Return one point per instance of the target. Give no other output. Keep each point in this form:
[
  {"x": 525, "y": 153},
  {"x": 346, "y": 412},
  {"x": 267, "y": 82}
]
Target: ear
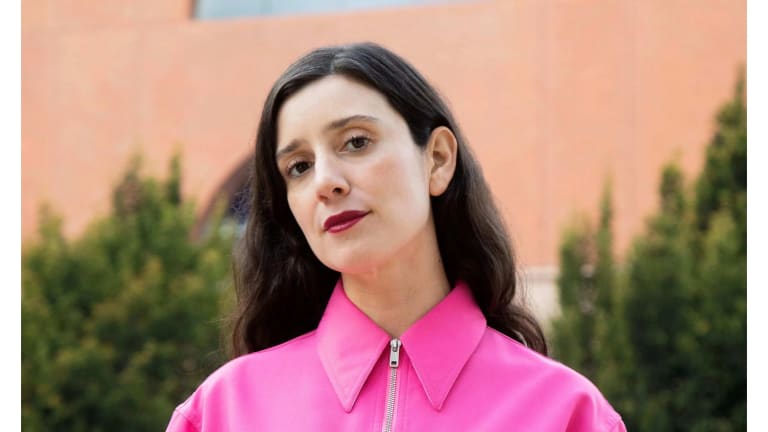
[{"x": 441, "y": 152}]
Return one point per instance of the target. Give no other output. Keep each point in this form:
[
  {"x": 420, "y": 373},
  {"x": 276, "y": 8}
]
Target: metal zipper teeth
[{"x": 394, "y": 362}]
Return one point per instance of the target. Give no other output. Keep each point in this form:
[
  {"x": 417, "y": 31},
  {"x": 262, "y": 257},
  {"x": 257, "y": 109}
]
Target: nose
[{"x": 330, "y": 179}]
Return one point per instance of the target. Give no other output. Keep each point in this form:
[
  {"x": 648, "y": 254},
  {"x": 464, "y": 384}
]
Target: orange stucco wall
[{"x": 554, "y": 95}]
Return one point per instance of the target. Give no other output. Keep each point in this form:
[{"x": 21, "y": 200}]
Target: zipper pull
[{"x": 394, "y": 353}]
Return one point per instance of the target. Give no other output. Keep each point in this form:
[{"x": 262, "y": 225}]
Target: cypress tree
[
  {"x": 669, "y": 326},
  {"x": 120, "y": 325}
]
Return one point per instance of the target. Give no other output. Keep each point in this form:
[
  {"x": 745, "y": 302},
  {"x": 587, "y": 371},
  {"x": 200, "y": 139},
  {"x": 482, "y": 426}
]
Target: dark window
[{"x": 220, "y": 9}]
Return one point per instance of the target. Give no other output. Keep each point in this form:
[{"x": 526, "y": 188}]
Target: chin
[
  {"x": 350, "y": 266},
  {"x": 352, "y": 263}
]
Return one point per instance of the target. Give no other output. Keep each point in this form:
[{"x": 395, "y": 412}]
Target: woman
[{"x": 375, "y": 279}]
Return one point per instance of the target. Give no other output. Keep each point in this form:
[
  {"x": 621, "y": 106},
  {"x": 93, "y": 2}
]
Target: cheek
[
  {"x": 299, "y": 211},
  {"x": 400, "y": 179}
]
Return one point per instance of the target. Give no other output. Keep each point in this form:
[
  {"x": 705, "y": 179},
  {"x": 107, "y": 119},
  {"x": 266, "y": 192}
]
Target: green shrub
[
  {"x": 664, "y": 334},
  {"x": 120, "y": 325}
]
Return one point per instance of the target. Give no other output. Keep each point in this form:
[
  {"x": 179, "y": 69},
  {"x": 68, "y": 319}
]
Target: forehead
[{"x": 330, "y": 98}]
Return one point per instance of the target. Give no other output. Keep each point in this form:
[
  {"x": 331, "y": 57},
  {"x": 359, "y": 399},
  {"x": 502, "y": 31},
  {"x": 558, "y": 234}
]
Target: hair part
[{"x": 282, "y": 288}]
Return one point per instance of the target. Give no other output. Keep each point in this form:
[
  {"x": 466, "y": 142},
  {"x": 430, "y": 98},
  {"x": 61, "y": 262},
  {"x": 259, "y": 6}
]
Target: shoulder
[
  {"x": 549, "y": 382},
  {"x": 513, "y": 355},
  {"x": 262, "y": 362},
  {"x": 233, "y": 382}
]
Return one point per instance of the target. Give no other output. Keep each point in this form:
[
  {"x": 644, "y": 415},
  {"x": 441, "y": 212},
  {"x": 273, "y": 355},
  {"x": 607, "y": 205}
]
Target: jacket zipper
[{"x": 394, "y": 362}]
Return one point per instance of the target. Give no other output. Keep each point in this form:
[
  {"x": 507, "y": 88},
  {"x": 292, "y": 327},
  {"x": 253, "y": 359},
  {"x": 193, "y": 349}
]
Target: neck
[{"x": 396, "y": 294}]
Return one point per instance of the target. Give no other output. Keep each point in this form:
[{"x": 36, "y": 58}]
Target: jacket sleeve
[
  {"x": 619, "y": 427},
  {"x": 180, "y": 423},
  {"x": 591, "y": 412}
]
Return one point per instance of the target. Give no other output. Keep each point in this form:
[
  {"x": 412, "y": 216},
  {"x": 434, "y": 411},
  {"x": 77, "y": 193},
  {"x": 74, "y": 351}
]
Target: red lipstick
[{"x": 344, "y": 220}]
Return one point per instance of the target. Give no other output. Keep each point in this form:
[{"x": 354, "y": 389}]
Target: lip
[{"x": 344, "y": 220}]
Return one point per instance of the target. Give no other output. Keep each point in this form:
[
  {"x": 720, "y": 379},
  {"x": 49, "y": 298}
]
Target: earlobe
[{"x": 442, "y": 149}]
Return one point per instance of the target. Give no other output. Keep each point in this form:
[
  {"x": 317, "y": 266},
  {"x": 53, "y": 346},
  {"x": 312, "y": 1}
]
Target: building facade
[{"x": 556, "y": 97}]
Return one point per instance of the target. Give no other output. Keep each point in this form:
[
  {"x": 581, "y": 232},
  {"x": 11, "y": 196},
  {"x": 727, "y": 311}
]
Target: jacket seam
[
  {"x": 188, "y": 420},
  {"x": 616, "y": 422}
]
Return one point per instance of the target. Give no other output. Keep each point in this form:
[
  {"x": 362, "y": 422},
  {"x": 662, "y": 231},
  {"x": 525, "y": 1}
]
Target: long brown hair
[{"x": 282, "y": 288}]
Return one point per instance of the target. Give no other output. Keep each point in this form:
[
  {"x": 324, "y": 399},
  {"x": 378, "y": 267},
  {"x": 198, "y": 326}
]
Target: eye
[
  {"x": 357, "y": 143},
  {"x": 297, "y": 168}
]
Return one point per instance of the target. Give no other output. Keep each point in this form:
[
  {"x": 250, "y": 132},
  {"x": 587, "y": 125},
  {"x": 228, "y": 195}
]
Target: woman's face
[{"x": 357, "y": 184}]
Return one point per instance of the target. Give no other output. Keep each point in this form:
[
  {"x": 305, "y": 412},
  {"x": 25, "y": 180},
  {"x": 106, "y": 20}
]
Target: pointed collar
[{"x": 438, "y": 344}]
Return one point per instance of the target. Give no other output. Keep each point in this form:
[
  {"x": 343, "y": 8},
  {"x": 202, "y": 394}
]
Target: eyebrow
[{"x": 336, "y": 124}]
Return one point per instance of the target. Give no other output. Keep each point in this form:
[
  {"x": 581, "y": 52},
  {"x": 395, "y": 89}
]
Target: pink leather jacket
[{"x": 448, "y": 372}]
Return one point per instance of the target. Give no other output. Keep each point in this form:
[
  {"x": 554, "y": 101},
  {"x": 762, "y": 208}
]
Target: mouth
[{"x": 343, "y": 221}]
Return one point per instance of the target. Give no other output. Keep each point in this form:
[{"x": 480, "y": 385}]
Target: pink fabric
[{"x": 455, "y": 374}]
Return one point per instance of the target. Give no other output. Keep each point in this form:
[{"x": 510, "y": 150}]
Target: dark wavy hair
[{"x": 282, "y": 288}]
